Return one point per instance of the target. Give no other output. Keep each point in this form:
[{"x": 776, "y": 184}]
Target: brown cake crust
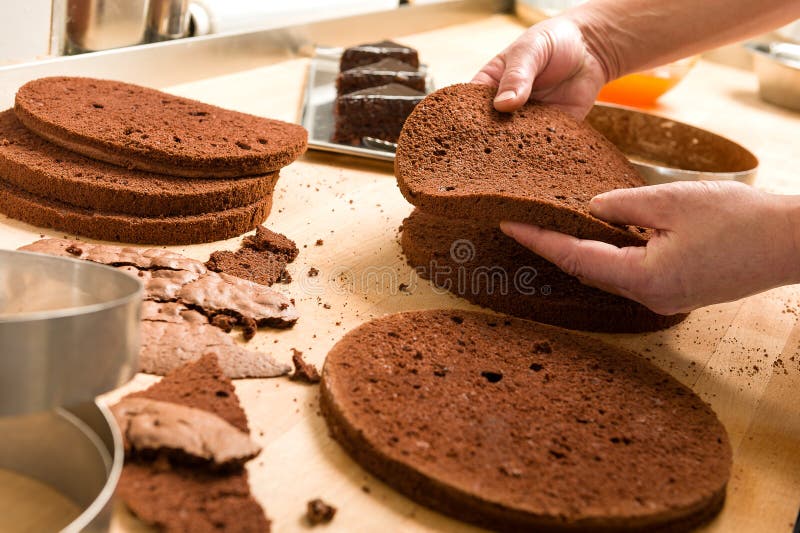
[
  {"x": 176, "y": 498},
  {"x": 484, "y": 266},
  {"x": 47, "y": 170},
  {"x": 518, "y": 426},
  {"x": 21, "y": 205},
  {"x": 137, "y": 127},
  {"x": 458, "y": 157}
]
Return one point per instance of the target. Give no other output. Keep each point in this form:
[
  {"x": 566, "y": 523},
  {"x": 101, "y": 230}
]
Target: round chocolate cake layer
[
  {"x": 50, "y": 171},
  {"x": 518, "y": 426},
  {"x": 458, "y": 157},
  {"x": 22, "y": 205},
  {"x": 482, "y": 265},
  {"x": 137, "y": 127}
]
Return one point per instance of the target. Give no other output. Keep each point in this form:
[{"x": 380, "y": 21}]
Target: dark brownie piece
[
  {"x": 518, "y": 426},
  {"x": 375, "y": 112},
  {"x": 460, "y": 158},
  {"x": 385, "y": 71},
  {"x": 364, "y": 54},
  {"x": 481, "y": 264}
]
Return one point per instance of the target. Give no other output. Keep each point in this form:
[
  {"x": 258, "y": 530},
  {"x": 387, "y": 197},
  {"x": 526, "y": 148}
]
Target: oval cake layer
[
  {"x": 50, "y": 171},
  {"x": 22, "y": 205},
  {"x": 519, "y": 426},
  {"x": 481, "y": 264},
  {"x": 458, "y": 157},
  {"x": 137, "y": 127}
]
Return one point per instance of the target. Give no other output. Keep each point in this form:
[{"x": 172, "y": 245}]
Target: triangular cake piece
[{"x": 178, "y": 498}]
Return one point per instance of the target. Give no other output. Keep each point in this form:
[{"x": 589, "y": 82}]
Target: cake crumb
[
  {"x": 303, "y": 371},
  {"x": 319, "y": 242},
  {"x": 74, "y": 250},
  {"x": 319, "y": 512},
  {"x": 313, "y": 272},
  {"x": 223, "y": 322},
  {"x": 249, "y": 327}
]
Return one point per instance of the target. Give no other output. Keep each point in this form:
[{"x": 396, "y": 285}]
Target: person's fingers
[
  {"x": 652, "y": 206},
  {"x": 520, "y": 67},
  {"x": 594, "y": 263},
  {"x": 491, "y": 73}
]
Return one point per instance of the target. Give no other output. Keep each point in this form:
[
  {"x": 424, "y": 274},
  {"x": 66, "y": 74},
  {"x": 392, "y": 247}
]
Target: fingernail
[{"x": 505, "y": 95}]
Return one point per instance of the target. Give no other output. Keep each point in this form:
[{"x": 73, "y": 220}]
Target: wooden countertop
[{"x": 742, "y": 357}]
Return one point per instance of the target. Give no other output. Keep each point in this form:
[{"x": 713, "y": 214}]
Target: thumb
[{"x": 649, "y": 206}]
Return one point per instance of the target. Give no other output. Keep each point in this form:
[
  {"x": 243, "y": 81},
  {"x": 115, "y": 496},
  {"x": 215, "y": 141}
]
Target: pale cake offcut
[
  {"x": 460, "y": 158},
  {"x": 518, "y": 426}
]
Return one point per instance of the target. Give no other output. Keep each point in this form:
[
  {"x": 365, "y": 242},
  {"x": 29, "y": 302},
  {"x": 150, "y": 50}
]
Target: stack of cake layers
[
  {"x": 119, "y": 162},
  {"x": 378, "y": 86},
  {"x": 467, "y": 167}
]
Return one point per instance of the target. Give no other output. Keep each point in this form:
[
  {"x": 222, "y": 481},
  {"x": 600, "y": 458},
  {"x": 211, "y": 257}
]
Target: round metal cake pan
[
  {"x": 665, "y": 150},
  {"x": 69, "y": 331},
  {"x": 76, "y": 452}
]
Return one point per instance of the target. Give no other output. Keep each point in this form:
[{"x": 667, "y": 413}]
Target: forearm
[
  {"x": 631, "y": 35},
  {"x": 789, "y": 211}
]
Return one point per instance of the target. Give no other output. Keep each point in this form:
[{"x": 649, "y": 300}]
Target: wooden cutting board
[{"x": 742, "y": 357}]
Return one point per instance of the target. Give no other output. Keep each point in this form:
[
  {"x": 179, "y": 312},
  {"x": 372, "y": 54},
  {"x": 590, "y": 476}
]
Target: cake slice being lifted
[{"x": 458, "y": 157}]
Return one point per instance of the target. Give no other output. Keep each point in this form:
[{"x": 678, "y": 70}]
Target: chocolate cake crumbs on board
[
  {"x": 319, "y": 512},
  {"x": 303, "y": 371}
]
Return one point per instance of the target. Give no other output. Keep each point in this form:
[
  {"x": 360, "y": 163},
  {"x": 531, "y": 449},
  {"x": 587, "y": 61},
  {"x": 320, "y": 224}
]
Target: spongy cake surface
[
  {"x": 481, "y": 264},
  {"x": 516, "y": 425},
  {"x": 459, "y": 157},
  {"x": 143, "y": 128},
  {"x": 48, "y": 170}
]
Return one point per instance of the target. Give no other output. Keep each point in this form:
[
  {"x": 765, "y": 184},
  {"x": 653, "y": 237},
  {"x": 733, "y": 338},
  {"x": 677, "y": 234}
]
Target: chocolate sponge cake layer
[
  {"x": 22, "y": 205},
  {"x": 519, "y": 426},
  {"x": 484, "y": 266},
  {"x": 458, "y": 157},
  {"x": 137, "y": 127},
  {"x": 50, "y": 171}
]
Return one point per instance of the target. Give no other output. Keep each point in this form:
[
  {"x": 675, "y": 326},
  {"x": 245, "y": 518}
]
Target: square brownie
[
  {"x": 364, "y": 54},
  {"x": 375, "y": 112},
  {"x": 384, "y": 72}
]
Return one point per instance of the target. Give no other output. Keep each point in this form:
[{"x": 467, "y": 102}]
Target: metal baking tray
[
  {"x": 318, "y": 104},
  {"x": 665, "y": 150}
]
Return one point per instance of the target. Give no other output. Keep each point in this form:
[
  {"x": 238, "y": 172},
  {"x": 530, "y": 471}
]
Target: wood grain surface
[{"x": 742, "y": 357}]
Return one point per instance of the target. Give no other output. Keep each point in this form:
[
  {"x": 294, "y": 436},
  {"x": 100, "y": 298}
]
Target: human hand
[
  {"x": 551, "y": 63},
  {"x": 714, "y": 241}
]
